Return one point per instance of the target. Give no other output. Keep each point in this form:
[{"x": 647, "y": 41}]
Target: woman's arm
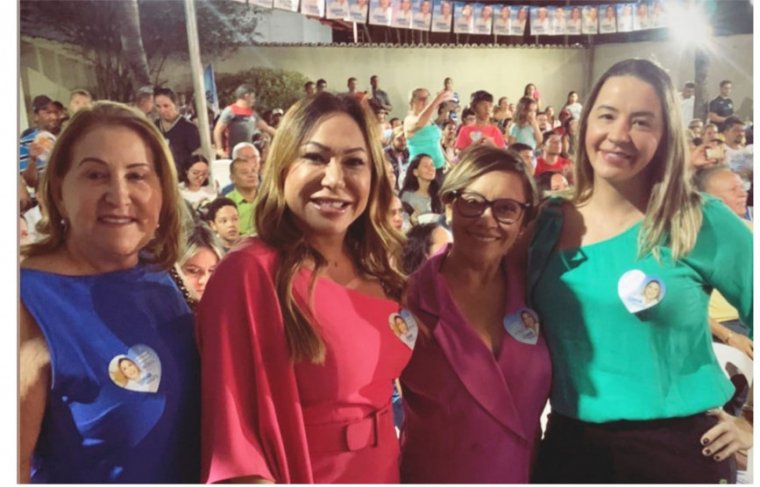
[
  {"x": 728, "y": 337},
  {"x": 412, "y": 124},
  {"x": 34, "y": 384}
]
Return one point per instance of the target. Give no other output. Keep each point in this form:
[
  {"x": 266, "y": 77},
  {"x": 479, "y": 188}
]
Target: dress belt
[{"x": 352, "y": 436}]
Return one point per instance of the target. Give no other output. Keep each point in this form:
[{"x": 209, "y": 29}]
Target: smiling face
[
  {"x": 528, "y": 320},
  {"x": 327, "y": 188},
  {"x": 196, "y": 175},
  {"x": 425, "y": 170},
  {"x": 198, "y": 268},
  {"x": 625, "y": 127},
  {"x": 129, "y": 369},
  {"x": 652, "y": 291},
  {"x": 111, "y": 196},
  {"x": 484, "y": 236}
]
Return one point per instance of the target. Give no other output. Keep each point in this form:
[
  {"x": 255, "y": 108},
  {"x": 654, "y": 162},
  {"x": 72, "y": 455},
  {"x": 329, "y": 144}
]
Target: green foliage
[
  {"x": 92, "y": 27},
  {"x": 275, "y": 88}
]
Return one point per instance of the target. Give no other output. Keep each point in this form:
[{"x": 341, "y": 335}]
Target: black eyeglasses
[{"x": 472, "y": 205}]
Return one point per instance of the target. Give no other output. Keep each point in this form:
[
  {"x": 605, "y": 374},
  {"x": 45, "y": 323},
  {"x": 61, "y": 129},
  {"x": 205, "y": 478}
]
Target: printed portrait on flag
[
  {"x": 380, "y": 12},
  {"x": 423, "y": 14},
  {"x": 443, "y": 15},
  {"x": 590, "y": 19},
  {"x": 464, "y": 22}
]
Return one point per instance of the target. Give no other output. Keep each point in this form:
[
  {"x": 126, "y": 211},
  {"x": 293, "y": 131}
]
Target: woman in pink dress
[
  {"x": 298, "y": 354},
  {"x": 480, "y": 373}
]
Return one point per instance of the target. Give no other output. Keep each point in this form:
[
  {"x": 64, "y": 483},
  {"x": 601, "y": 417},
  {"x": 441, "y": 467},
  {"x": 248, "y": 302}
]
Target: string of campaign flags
[{"x": 484, "y": 18}]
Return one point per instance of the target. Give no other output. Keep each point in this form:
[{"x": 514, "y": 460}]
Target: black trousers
[{"x": 656, "y": 451}]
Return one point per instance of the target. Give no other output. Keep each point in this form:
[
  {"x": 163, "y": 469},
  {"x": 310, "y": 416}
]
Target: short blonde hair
[
  {"x": 164, "y": 249},
  {"x": 479, "y": 160}
]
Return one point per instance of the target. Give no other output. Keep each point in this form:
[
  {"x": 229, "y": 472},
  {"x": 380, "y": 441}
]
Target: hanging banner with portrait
[
  {"x": 590, "y": 19},
  {"x": 357, "y": 11},
  {"x": 500, "y": 19},
  {"x": 539, "y": 21},
  {"x": 315, "y": 8},
  {"x": 483, "y": 14},
  {"x": 443, "y": 15},
  {"x": 402, "y": 14},
  {"x": 607, "y": 22},
  {"x": 624, "y": 17},
  {"x": 380, "y": 12},
  {"x": 423, "y": 14},
  {"x": 464, "y": 22},
  {"x": 336, "y": 9},
  {"x": 289, "y": 5}
]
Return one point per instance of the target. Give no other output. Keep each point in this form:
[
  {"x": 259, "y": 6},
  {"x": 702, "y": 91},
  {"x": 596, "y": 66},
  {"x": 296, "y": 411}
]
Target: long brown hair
[
  {"x": 371, "y": 241},
  {"x": 164, "y": 249},
  {"x": 673, "y": 214}
]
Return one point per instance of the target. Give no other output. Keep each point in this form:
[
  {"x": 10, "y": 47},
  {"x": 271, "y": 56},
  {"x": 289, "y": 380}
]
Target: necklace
[{"x": 192, "y": 302}]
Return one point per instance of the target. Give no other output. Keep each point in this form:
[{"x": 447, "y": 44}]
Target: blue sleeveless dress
[{"x": 124, "y": 399}]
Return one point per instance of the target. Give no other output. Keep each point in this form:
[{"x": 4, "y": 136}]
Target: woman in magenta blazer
[{"x": 480, "y": 373}]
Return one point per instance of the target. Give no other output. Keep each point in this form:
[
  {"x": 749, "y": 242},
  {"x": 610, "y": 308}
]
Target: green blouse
[{"x": 610, "y": 363}]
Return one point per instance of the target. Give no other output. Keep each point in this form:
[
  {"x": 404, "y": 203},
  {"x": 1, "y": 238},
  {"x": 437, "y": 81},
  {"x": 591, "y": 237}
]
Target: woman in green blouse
[{"x": 635, "y": 378}]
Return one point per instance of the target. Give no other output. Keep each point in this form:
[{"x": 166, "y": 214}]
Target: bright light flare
[{"x": 688, "y": 25}]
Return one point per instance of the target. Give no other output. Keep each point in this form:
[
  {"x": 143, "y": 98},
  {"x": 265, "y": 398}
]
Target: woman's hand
[
  {"x": 730, "y": 435},
  {"x": 740, "y": 342}
]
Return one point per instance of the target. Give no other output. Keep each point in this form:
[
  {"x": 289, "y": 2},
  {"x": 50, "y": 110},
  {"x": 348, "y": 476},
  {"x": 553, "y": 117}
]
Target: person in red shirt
[
  {"x": 551, "y": 160},
  {"x": 483, "y": 131}
]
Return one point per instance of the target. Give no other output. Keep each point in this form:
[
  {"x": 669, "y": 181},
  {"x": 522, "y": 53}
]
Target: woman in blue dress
[{"x": 108, "y": 363}]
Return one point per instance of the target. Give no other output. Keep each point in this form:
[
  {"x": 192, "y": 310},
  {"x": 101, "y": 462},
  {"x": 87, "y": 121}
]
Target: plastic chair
[
  {"x": 735, "y": 362},
  {"x": 220, "y": 169}
]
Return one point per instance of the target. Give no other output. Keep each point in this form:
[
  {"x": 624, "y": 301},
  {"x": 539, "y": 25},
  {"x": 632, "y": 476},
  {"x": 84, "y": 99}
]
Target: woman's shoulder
[{"x": 250, "y": 255}]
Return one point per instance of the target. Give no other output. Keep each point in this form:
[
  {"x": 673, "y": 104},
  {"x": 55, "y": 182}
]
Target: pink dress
[
  {"x": 471, "y": 417},
  {"x": 298, "y": 423}
]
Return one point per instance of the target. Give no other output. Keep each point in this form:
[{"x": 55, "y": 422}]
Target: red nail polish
[
  {"x": 707, "y": 451},
  {"x": 705, "y": 441},
  {"x": 717, "y": 458}
]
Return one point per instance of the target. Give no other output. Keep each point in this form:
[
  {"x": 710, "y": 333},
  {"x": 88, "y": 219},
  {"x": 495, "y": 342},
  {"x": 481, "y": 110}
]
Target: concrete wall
[
  {"x": 282, "y": 26},
  {"x": 501, "y": 71},
  {"x": 729, "y": 58}
]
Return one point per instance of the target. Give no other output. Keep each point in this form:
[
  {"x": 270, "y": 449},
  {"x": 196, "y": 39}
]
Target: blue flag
[{"x": 211, "y": 96}]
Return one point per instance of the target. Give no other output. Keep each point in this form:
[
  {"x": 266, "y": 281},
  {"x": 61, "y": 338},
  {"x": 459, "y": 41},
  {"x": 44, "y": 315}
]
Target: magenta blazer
[{"x": 471, "y": 416}]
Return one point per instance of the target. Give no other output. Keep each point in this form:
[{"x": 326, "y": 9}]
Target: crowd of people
[{"x": 373, "y": 300}]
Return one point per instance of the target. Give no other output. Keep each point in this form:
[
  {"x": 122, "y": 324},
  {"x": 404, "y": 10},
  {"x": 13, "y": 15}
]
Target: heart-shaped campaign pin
[
  {"x": 404, "y": 326},
  {"x": 138, "y": 370},
  {"x": 639, "y": 291},
  {"x": 523, "y": 325}
]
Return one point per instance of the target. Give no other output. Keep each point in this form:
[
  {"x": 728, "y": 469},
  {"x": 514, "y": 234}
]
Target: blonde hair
[
  {"x": 165, "y": 247},
  {"x": 478, "y": 160},
  {"x": 414, "y": 94},
  {"x": 673, "y": 214},
  {"x": 372, "y": 242}
]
